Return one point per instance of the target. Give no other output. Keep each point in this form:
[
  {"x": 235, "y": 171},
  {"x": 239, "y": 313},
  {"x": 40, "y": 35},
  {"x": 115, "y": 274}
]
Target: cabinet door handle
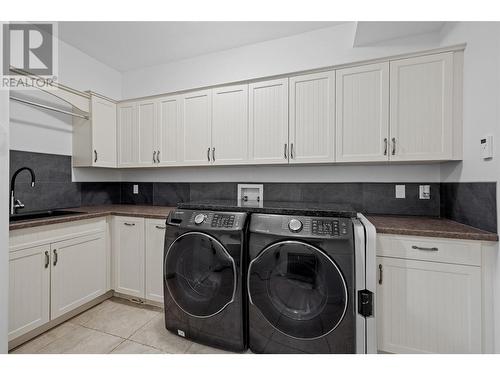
[
  {"x": 415, "y": 247},
  {"x": 213, "y": 154},
  {"x": 285, "y": 154},
  {"x": 291, "y": 150},
  {"x": 47, "y": 259},
  {"x": 95, "y": 156},
  {"x": 55, "y": 258},
  {"x": 394, "y": 146},
  {"x": 160, "y": 227},
  {"x": 385, "y": 146},
  {"x": 154, "y": 156},
  {"x": 208, "y": 154},
  {"x": 129, "y": 224},
  {"x": 158, "y": 157},
  {"x": 380, "y": 274}
]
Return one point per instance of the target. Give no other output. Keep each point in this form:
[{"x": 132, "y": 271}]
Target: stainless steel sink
[{"x": 41, "y": 215}]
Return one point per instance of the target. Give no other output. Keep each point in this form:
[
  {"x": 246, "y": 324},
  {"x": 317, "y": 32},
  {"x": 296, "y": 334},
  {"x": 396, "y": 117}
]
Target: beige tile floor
[{"x": 115, "y": 326}]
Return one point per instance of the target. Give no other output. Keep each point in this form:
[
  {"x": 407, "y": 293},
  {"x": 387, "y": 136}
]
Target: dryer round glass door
[
  {"x": 298, "y": 289},
  {"x": 200, "y": 274}
]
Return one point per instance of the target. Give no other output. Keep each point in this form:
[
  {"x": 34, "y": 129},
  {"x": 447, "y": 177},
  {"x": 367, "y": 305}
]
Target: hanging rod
[{"x": 34, "y": 104}]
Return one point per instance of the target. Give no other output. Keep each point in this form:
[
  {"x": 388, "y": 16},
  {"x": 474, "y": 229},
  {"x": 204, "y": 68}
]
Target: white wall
[
  {"x": 4, "y": 209},
  {"x": 38, "y": 130},
  {"x": 314, "y": 49},
  {"x": 481, "y": 116}
]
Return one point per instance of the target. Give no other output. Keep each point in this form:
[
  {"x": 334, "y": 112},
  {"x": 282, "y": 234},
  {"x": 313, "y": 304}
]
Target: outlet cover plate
[{"x": 400, "y": 191}]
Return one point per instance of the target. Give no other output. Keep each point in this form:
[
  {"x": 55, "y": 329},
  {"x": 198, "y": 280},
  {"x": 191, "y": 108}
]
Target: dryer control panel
[{"x": 302, "y": 226}]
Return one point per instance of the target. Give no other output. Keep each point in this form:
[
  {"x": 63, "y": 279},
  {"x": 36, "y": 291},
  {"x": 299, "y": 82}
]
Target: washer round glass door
[
  {"x": 200, "y": 274},
  {"x": 298, "y": 289}
]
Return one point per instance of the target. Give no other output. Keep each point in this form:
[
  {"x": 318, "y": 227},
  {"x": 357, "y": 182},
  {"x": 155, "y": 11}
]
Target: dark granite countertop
[
  {"x": 90, "y": 212},
  {"x": 270, "y": 207},
  {"x": 428, "y": 227}
]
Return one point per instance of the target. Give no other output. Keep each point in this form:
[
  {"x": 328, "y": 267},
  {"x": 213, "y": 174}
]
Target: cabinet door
[
  {"x": 103, "y": 132},
  {"x": 196, "y": 125},
  {"x": 422, "y": 108},
  {"x": 146, "y": 127},
  {"x": 363, "y": 113},
  {"x": 230, "y": 125},
  {"x": 428, "y": 307},
  {"x": 128, "y": 251},
  {"x": 79, "y": 272},
  {"x": 128, "y": 155},
  {"x": 155, "y": 238},
  {"x": 268, "y": 122},
  {"x": 167, "y": 130},
  {"x": 312, "y": 118},
  {"x": 29, "y": 289}
]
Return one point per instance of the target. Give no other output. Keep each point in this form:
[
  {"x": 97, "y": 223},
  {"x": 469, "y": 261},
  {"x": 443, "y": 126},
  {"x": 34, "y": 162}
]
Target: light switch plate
[
  {"x": 400, "y": 191},
  {"x": 487, "y": 147},
  {"x": 424, "y": 192},
  {"x": 136, "y": 189}
]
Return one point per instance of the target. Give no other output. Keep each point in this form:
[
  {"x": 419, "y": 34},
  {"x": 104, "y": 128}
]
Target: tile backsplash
[{"x": 470, "y": 203}]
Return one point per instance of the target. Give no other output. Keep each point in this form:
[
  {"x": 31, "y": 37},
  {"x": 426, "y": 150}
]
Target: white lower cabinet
[
  {"x": 79, "y": 272},
  {"x": 138, "y": 257},
  {"x": 53, "y": 270},
  {"x": 155, "y": 238},
  {"x": 29, "y": 289},
  {"x": 128, "y": 253},
  {"x": 426, "y": 305}
]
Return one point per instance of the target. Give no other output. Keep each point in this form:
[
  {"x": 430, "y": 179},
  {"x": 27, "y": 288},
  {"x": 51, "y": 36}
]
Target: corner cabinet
[
  {"x": 95, "y": 139},
  {"x": 138, "y": 257},
  {"x": 433, "y": 295}
]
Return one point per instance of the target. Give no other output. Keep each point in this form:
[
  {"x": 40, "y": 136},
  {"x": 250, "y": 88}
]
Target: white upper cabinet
[
  {"x": 268, "y": 122},
  {"x": 362, "y": 113},
  {"x": 230, "y": 125},
  {"x": 312, "y": 118},
  {"x": 94, "y": 140},
  {"x": 128, "y": 150},
  {"x": 421, "y": 114},
  {"x": 196, "y": 118},
  {"x": 167, "y": 130},
  {"x": 146, "y": 127}
]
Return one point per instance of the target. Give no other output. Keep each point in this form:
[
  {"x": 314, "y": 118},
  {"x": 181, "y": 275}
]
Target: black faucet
[{"x": 16, "y": 203}]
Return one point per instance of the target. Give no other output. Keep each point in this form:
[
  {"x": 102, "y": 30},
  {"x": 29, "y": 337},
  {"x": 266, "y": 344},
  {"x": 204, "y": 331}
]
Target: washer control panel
[
  {"x": 207, "y": 220},
  {"x": 220, "y": 220}
]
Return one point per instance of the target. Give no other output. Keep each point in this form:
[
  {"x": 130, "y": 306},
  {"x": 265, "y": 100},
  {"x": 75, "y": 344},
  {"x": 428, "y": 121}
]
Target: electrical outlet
[
  {"x": 136, "y": 189},
  {"x": 400, "y": 191},
  {"x": 424, "y": 192}
]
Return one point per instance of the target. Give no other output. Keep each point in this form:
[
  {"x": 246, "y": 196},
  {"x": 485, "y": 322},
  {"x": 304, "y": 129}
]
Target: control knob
[
  {"x": 199, "y": 219},
  {"x": 295, "y": 225}
]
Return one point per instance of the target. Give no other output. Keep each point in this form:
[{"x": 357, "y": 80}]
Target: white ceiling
[
  {"x": 132, "y": 45},
  {"x": 373, "y": 32}
]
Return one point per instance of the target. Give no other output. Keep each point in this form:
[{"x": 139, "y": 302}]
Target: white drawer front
[{"x": 430, "y": 249}]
